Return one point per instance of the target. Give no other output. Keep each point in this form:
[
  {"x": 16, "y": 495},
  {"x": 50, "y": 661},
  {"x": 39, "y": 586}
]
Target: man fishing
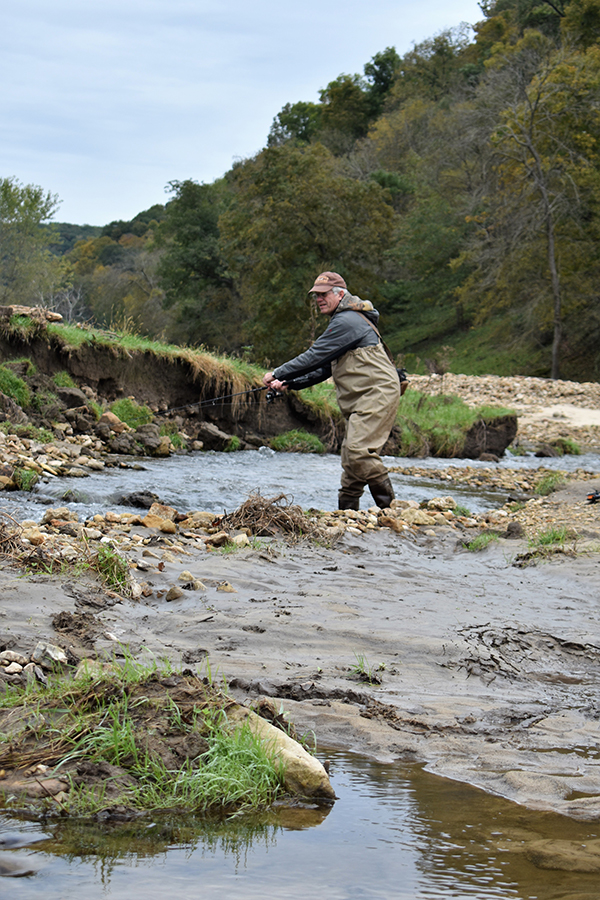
[{"x": 366, "y": 382}]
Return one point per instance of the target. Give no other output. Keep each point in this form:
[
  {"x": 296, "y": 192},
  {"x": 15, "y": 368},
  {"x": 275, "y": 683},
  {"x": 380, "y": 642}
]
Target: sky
[{"x": 104, "y": 102}]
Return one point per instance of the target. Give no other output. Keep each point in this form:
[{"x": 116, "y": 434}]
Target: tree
[
  {"x": 543, "y": 191},
  {"x": 28, "y": 271},
  {"x": 293, "y": 214}
]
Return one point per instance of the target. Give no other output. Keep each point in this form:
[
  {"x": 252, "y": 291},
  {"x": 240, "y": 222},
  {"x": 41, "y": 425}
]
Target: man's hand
[{"x": 271, "y": 382}]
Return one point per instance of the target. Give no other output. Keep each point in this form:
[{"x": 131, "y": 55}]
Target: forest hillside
[{"x": 457, "y": 187}]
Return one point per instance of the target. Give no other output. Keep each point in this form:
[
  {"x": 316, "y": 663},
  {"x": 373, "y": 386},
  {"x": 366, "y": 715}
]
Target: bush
[
  {"x": 131, "y": 413},
  {"x": 64, "y": 380},
  {"x": 15, "y": 387},
  {"x": 297, "y": 441}
]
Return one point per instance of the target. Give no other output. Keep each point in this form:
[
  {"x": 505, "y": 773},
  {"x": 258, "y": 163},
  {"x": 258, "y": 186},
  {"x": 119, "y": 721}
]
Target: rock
[
  {"x": 140, "y": 499},
  {"x": 123, "y": 443},
  {"x": 416, "y": 517},
  {"x": 9, "y": 656},
  {"x": 226, "y": 588},
  {"x": 113, "y": 422},
  {"x": 49, "y": 655},
  {"x": 565, "y": 856},
  {"x": 186, "y": 577},
  {"x": 168, "y": 527},
  {"x": 165, "y": 512},
  {"x": 515, "y": 530},
  {"x": 489, "y": 436},
  {"x": 13, "y": 668},
  {"x": 241, "y": 540},
  {"x": 40, "y": 787},
  {"x": 304, "y": 775},
  {"x": 212, "y": 437},
  {"x": 174, "y": 593},
  {"x": 392, "y": 522},
  {"x": 219, "y": 539},
  {"x": 62, "y": 513}
]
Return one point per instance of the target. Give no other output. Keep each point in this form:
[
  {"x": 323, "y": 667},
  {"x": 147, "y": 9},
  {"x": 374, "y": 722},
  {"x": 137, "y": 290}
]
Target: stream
[
  {"x": 219, "y": 482},
  {"x": 395, "y": 832}
]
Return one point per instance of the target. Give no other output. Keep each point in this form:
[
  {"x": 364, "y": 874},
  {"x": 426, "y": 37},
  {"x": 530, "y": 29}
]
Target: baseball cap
[{"x": 327, "y": 280}]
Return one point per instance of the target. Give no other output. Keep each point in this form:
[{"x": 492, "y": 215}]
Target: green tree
[
  {"x": 199, "y": 291},
  {"x": 293, "y": 214},
  {"x": 29, "y": 272}
]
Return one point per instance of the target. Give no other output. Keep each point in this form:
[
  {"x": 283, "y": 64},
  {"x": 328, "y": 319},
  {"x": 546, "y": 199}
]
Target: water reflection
[{"x": 395, "y": 832}]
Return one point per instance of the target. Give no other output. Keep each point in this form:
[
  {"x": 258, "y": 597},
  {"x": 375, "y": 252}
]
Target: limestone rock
[
  {"x": 416, "y": 517},
  {"x": 304, "y": 775},
  {"x": 49, "y": 655},
  {"x": 174, "y": 593}
]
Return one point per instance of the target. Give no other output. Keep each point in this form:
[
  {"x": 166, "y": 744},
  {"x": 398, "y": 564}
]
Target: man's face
[{"x": 328, "y": 302}]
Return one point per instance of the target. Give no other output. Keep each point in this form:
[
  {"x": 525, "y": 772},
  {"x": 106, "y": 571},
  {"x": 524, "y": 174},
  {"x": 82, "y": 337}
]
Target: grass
[
  {"x": 63, "y": 380},
  {"x": 482, "y": 541},
  {"x": 14, "y": 387},
  {"x": 566, "y": 446},
  {"x": 460, "y": 510},
  {"x": 297, "y": 441},
  {"x": 233, "y": 444},
  {"x": 364, "y": 671},
  {"x": 436, "y": 425},
  {"x": 132, "y": 413},
  {"x": 130, "y": 718},
  {"x": 30, "y": 368},
  {"x": 549, "y": 483},
  {"x": 43, "y": 435},
  {"x": 25, "y": 479},
  {"x": 556, "y": 534},
  {"x": 170, "y": 430},
  {"x": 112, "y": 568}
]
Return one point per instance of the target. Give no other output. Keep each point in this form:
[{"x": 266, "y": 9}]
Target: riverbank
[{"x": 385, "y": 636}]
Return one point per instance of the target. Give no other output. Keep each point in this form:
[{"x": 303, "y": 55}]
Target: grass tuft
[
  {"x": 132, "y": 413},
  {"x": 549, "y": 483},
  {"x": 297, "y": 441}
]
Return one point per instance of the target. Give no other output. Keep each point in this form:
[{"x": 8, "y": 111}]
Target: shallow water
[
  {"x": 395, "y": 832},
  {"x": 219, "y": 482}
]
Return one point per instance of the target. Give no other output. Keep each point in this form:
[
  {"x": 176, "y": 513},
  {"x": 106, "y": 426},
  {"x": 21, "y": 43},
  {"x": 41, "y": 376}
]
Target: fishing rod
[{"x": 214, "y": 401}]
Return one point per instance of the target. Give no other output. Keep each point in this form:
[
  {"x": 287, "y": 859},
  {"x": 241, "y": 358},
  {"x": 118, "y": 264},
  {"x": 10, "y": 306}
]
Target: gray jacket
[{"x": 346, "y": 331}]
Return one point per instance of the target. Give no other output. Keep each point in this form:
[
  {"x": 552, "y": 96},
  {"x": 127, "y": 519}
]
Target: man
[{"x": 366, "y": 383}]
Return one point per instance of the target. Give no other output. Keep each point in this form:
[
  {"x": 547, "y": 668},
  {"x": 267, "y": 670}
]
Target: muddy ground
[{"x": 488, "y": 667}]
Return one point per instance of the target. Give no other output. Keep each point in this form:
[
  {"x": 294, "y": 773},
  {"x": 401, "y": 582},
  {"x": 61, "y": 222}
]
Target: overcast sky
[{"x": 103, "y": 103}]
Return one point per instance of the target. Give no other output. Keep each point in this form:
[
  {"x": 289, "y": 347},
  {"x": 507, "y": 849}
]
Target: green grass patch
[
  {"x": 170, "y": 430},
  {"x": 321, "y": 399},
  {"x": 29, "y": 431},
  {"x": 297, "y": 441},
  {"x": 480, "y": 542},
  {"x": 549, "y": 483},
  {"x": 556, "y": 534},
  {"x": 437, "y": 425},
  {"x": 132, "y": 413},
  {"x": 460, "y": 510},
  {"x": 566, "y": 446},
  {"x": 63, "y": 380},
  {"x": 233, "y": 444},
  {"x": 25, "y": 479},
  {"x": 14, "y": 387},
  {"x": 134, "y": 718},
  {"x": 22, "y": 362},
  {"x": 112, "y": 568}
]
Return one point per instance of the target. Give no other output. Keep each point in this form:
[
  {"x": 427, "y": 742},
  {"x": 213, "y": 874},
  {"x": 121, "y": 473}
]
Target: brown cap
[{"x": 325, "y": 281}]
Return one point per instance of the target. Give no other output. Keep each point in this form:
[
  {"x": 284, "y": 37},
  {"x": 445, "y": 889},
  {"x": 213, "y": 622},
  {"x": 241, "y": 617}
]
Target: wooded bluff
[{"x": 457, "y": 187}]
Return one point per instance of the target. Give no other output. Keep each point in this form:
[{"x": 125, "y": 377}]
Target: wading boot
[
  {"x": 382, "y": 493},
  {"x": 348, "y": 501}
]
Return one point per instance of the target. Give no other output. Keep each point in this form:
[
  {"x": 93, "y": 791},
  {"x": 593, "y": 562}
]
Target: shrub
[
  {"x": 549, "y": 483},
  {"x": 64, "y": 380},
  {"x": 15, "y": 387},
  {"x": 132, "y": 413},
  {"x": 297, "y": 441}
]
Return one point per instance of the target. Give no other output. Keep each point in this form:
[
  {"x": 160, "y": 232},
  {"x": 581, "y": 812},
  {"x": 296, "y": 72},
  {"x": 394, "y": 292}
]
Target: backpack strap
[{"x": 401, "y": 372}]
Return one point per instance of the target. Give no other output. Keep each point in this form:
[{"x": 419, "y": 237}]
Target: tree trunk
[{"x": 554, "y": 373}]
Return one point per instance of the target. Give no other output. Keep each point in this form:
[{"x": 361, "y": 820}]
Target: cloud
[{"x": 105, "y": 102}]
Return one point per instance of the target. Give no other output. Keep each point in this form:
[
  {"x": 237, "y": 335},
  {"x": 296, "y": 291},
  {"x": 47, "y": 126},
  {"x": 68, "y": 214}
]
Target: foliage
[
  {"x": 482, "y": 541},
  {"x": 28, "y": 270},
  {"x": 297, "y": 441},
  {"x": 555, "y": 534},
  {"x": 297, "y": 202},
  {"x": 15, "y": 387},
  {"x": 566, "y": 445},
  {"x": 25, "y": 479},
  {"x": 233, "y": 444},
  {"x": 132, "y": 413},
  {"x": 63, "y": 379},
  {"x": 549, "y": 482},
  {"x": 437, "y": 425},
  {"x": 43, "y": 435},
  {"x": 170, "y": 430}
]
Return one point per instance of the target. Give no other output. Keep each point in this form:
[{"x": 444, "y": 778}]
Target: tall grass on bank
[
  {"x": 137, "y": 719},
  {"x": 437, "y": 425}
]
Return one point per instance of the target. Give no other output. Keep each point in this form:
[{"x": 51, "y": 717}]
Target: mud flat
[{"x": 401, "y": 645}]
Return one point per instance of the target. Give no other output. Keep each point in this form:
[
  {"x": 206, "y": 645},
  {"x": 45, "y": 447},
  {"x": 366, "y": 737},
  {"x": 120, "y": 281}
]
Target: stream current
[{"x": 219, "y": 482}]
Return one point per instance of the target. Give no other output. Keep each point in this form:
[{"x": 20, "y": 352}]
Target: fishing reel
[
  {"x": 593, "y": 497},
  {"x": 272, "y": 395}
]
